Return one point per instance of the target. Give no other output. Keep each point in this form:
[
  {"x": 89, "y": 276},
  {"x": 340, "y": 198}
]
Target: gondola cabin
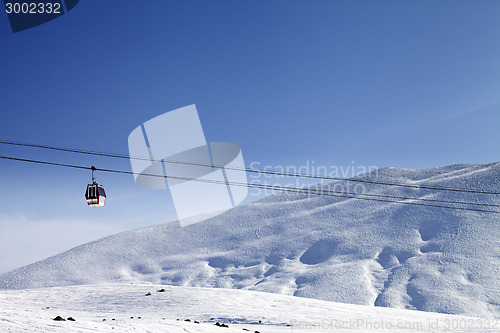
[{"x": 95, "y": 195}]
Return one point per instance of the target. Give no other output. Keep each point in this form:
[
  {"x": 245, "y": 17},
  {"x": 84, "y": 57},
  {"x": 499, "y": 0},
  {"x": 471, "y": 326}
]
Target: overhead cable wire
[
  {"x": 259, "y": 171},
  {"x": 400, "y": 197},
  {"x": 266, "y": 187}
]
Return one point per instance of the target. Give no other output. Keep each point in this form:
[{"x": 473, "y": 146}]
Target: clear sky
[{"x": 410, "y": 84}]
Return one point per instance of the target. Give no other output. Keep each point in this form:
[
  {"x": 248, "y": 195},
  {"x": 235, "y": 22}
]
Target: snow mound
[
  {"x": 143, "y": 308},
  {"x": 327, "y": 248}
]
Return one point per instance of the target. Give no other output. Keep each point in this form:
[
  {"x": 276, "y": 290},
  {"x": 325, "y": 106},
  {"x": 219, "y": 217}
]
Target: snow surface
[
  {"x": 327, "y": 248},
  {"x": 126, "y": 308}
]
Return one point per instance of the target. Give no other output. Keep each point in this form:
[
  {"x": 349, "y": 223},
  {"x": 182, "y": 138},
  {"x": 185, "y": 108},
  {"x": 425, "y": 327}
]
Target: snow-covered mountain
[{"x": 328, "y": 248}]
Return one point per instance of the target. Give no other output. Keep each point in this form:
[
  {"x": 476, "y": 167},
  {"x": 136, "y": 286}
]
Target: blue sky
[{"x": 410, "y": 84}]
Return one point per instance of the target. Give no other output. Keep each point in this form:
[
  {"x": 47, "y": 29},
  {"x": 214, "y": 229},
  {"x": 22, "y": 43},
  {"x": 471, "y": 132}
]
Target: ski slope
[
  {"x": 127, "y": 308},
  {"x": 326, "y": 248}
]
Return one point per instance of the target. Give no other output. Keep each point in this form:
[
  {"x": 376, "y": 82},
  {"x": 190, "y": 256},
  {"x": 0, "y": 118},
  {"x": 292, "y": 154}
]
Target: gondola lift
[{"x": 95, "y": 194}]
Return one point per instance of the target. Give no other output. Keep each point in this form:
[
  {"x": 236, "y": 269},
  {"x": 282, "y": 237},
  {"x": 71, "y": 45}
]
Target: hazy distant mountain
[{"x": 328, "y": 248}]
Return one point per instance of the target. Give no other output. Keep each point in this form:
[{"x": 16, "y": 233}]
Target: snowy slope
[
  {"x": 126, "y": 308},
  {"x": 335, "y": 249}
]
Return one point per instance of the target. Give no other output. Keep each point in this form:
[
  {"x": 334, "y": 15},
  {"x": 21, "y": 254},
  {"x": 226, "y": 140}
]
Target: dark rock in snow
[
  {"x": 59, "y": 318},
  {"x": 70, "y": 319}
]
